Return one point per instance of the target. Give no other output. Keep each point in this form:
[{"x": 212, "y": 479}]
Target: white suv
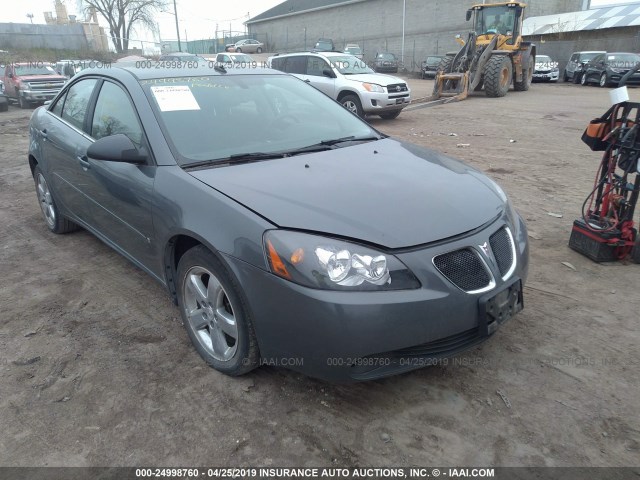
[{"x": 348, "y": 80}]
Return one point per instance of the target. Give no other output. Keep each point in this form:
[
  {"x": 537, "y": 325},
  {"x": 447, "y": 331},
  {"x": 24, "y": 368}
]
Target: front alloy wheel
[
  {"x": 214, "y": 314},
  {"x": 54, "y": 220},
  {"x": 604, "y": 80}
]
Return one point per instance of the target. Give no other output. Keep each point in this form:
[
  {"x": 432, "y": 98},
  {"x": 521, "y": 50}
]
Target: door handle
[
  {"x": 84, "y": 162},
  {"x": 43, "y": 133}
]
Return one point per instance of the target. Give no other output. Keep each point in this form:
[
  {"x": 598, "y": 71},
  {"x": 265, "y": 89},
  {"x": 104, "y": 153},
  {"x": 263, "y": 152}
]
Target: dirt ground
[{"x": 96, "y": 368}]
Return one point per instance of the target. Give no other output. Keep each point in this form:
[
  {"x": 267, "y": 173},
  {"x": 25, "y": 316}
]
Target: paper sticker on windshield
[{"x": 175, "y": 98}]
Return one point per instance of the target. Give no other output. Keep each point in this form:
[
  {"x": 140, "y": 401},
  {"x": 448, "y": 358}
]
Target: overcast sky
[{"x": 197, "y": 18}]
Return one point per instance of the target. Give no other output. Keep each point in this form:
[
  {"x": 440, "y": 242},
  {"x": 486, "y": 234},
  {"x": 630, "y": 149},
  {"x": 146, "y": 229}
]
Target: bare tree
[{"x": 123, "y": 15}]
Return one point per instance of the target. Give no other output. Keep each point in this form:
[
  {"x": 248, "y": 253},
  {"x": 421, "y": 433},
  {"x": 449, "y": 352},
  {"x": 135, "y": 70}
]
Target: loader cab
[{"x": 501, "y": 19}]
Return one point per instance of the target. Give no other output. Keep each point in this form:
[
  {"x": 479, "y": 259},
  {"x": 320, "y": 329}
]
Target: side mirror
[
  {"x": 328, "y": 73},
  {"x": 117, "y": 148},
  {"x": 469, "y": 13}
]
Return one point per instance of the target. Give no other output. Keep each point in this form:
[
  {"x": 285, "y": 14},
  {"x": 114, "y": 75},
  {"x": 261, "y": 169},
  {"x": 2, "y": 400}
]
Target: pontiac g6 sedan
[{"x": 315, "y": 242}]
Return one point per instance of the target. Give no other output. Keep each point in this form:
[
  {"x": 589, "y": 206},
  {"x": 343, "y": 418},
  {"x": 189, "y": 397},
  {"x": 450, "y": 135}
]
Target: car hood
[
  {"x": 376, "y": 78},
  {"x": 385, "y": 192}
]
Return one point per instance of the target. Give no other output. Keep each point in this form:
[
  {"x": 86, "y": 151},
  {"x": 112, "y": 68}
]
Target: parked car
[
  {"x": 607, "y": 69},
  {"x": 430, "y": 66},
  {"x": 348, "y": 80},
  {"x": 355, "y": 50},
  {"x": 246, "y": 46},
  {"x": 297, "y": 245},
  {"x": 30, "y": 83},
  {"x": 69, "y": 68},
  {"x": 235, "y": 60},
  {"x": 324, "y": 45},
  {"x": 546, "y": 70},
  {"x": 180, "y": 57},
  {"x": 385, "y": 62},
  {"x": 574, "y": 68},
  {"x": 4, "y": 101}
]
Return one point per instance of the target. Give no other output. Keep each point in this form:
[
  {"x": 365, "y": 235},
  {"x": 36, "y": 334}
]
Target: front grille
[
  {"x": 464, "y": 269},
  {"x": 443, "y": 347},
  {"x": 502, "y": 247},
  {"x": 42, "y": 85},
  {"x": 397, "y": 88}
]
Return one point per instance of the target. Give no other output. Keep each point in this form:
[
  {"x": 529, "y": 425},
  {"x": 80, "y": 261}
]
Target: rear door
[{"x": 64, "y": 140}]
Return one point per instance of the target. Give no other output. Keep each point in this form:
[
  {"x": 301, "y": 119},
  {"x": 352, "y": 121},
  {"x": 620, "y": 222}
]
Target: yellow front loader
[{"x": 494, "y": 55}]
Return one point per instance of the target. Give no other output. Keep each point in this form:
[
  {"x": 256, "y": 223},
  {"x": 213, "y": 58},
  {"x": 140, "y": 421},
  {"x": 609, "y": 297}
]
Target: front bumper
[
  {"x": 377, "y": 103},
  {"x": 615, "y": 78},
  {"x": 547, "y": 76},
  {"x": 38, "y": 95},
  {"x": 352, "y": 336}
]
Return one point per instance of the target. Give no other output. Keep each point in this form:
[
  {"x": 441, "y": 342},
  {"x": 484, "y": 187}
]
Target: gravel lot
[{"x": 96, "y": 368}]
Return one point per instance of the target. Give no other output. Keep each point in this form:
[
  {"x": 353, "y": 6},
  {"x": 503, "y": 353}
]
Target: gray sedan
[{"x": 316, "y": 243}]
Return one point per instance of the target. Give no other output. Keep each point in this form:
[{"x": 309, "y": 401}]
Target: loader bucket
[{"x": 452, "y": 85}]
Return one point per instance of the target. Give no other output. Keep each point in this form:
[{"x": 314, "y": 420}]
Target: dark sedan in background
[
  {"x": 430, "y": 66},
  {"x": 607, "y": 69},
  {"x": 315, "y": 243}
]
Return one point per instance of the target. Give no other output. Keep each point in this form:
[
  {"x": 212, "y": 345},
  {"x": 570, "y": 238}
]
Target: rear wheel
[
  {"x": 4, "y": 104},
  {"x": 238, "y": 50},
  {"x": 352, "y": 103},
  {"x": 259, "y": 50},
  {"x": 390, "y": 116},
  {"x": 52, "y": 217},
  {"x": 577, "y": 77},
  {"x": 214, "y": 313},
  {"x": 635, "y": 252},
  {"x": 565, "y": 77},
  {"x": 527, "y": 77},
  {"x": 497, "y": 76}
]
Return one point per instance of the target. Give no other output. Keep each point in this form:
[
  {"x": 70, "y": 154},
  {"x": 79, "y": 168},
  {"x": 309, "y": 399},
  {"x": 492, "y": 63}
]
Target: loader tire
[
  {"x": 497, "y": 76},
  {"x": 635, "y": 252},
  {"x": 527, "y": 77},
  {"x": 445, "y": 64}
]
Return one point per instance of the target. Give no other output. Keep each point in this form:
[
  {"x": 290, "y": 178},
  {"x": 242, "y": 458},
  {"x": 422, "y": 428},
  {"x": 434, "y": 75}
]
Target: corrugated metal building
[
  {"x": 612, "y": 29},
  {"x": 430, "y": 26}
]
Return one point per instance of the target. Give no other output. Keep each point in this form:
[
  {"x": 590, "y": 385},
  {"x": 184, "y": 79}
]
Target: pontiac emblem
[{"x": 485, "y": 248}]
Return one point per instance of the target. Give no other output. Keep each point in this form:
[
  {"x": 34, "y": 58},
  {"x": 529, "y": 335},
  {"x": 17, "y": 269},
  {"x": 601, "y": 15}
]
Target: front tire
[
  {"x": 22, "y": 102},
  {"x": 497, "y": 76},
  {"x": 584, "y": 80},
  {"x": 238, "y": 50},
  {"x": 577, "y": 77},
  {"x": 390, "y": 116},
  {"x": 215, "y": 314},
  {"x": 352, "y": 103},
  {"x": 52, "y": 217},
  {"x": 259, "y": 50},
  {"x": 604, "y": 80},
  {"x": 565, "y": 77}
]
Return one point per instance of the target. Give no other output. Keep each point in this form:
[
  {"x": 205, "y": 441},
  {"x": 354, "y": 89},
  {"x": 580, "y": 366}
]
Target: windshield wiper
[
  {"x": 329, "y": 144},
  {"x": 236, "y": 159}
]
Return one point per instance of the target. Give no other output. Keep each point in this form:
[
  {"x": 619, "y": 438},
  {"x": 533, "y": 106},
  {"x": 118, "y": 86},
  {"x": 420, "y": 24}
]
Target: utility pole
[
  {"x": 175, "y": 11},
  {"x": 404, "y": 15},
  {"x": 30, "y": 17}
]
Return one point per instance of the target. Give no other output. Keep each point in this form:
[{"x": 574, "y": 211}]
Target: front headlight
[
  {"x": 372, "y": 87},
  {"x": 331, "y": 264}
]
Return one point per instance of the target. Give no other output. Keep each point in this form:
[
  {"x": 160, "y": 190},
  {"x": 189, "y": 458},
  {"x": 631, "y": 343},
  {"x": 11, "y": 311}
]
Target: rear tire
[
  {"x": 214, "y": 313},
  {"x": 577, "y": 77},
  {"x": 259, "y": 50},
  {"x": 52, "y": 217},
  {"x": 238, "y": 50},
  {"x": 352, "y": 103},
  {"x": 497, "y": 76},
  {"x": 527, "y": 77},
  {"x": 635, "y": 252},
  {"x": 565, "y": 77},
  {"x": 4, "y": 104}
]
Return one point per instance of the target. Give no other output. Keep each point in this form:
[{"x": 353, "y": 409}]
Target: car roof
[{"x": 120, "y": 71}]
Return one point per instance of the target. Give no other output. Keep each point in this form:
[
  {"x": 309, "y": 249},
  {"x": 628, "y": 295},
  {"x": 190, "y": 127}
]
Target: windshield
[
  {"x": 240, "y": 57},
  {"x": 543, "y": 59},
  {"x": 210, "y": 118},
  {"x": 585, "y": 57},
  {"x": 353, "y": 50},
  {"x": 499, "y": 19},
  {"x": 623, "y": 60},
  {"x": 23, "y": 70},
  {"x": 433, "y": 61},
  {"x": 324, "y": 46},
  {"x": 386, "y": 56},
  {"x": 349, "y": 65}
]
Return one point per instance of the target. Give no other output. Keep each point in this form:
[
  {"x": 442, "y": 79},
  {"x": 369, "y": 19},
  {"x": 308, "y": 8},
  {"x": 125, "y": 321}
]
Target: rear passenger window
[
  {"x": 315, "y": 66},
  {"x": 296, "y": 65},
  {"x": 77, "y": 100},
  {"x": 114, "y": 114}
]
